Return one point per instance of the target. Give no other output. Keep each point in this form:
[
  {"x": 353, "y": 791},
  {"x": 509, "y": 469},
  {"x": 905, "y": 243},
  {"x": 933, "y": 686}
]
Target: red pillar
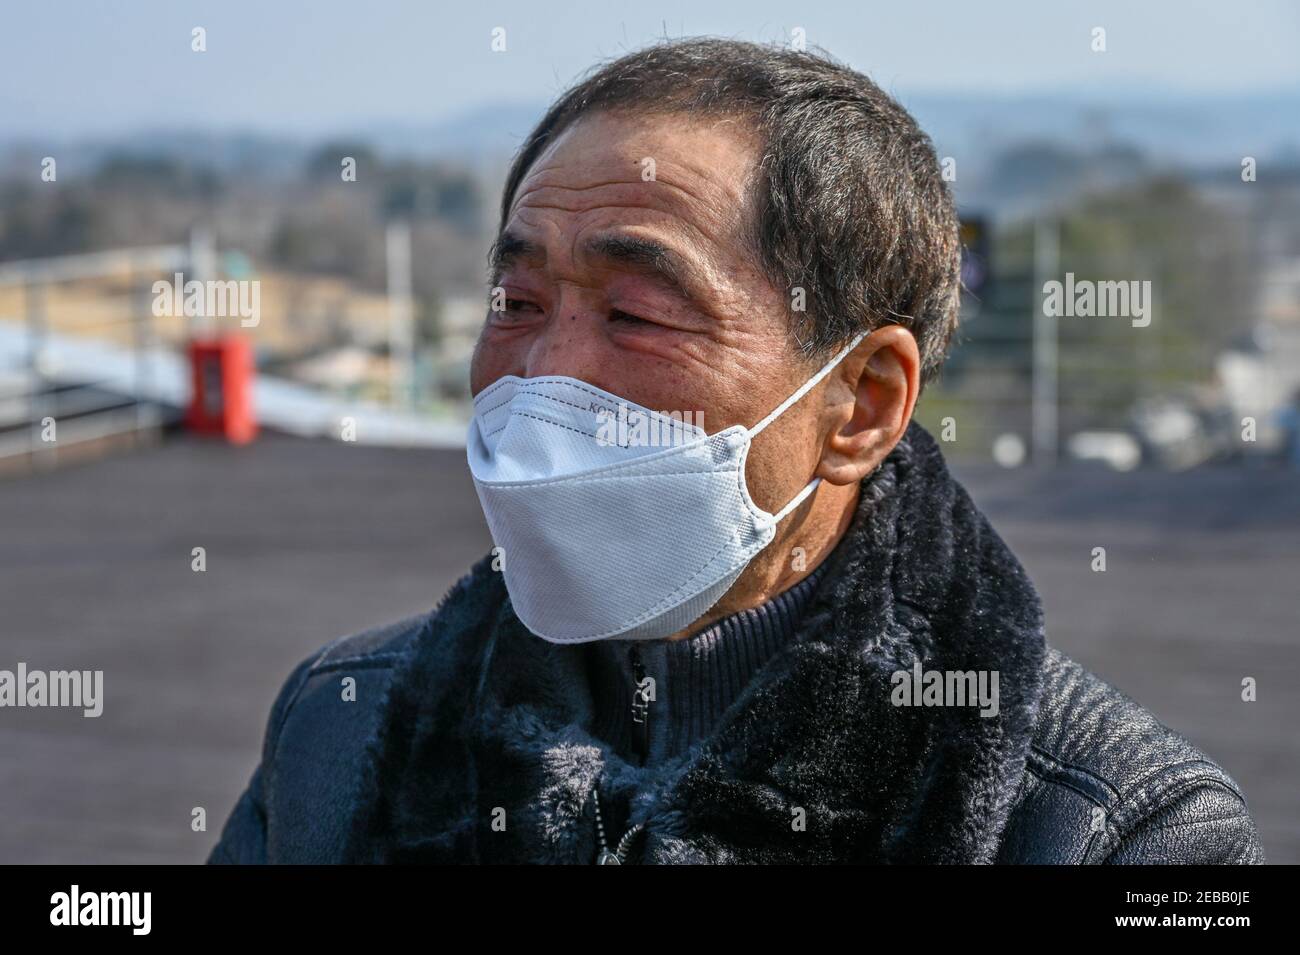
[{"x": 221, "y": 395}]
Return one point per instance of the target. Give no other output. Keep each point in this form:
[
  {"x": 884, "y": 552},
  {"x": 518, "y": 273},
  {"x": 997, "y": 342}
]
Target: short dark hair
[{"x": 849, "y": 200}]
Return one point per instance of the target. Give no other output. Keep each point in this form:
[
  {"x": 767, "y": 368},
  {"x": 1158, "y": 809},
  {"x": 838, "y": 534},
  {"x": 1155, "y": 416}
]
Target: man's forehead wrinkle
[
  {"x": 529, "y": 189},
  {"x": 691, "y": 205},
  {"x": 708, "y": 232},
  {"x": 697, "y": 233},
  {"x": 538, "y": 195},
  {"x": 693, "y": 177}
]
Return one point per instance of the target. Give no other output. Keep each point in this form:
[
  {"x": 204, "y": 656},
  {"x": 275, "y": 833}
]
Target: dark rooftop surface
[{"x": 308, "y": 540}]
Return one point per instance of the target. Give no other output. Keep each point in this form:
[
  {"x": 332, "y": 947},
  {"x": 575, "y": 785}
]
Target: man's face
[{"x": 586, "y": 299}]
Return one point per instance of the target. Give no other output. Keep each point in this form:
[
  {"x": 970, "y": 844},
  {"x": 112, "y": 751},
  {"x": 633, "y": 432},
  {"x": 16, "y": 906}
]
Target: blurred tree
[
  {"x": 415, "y": 192},
  {"x": 166, "y": 175},
  {"x": 1202, "y": 261}
]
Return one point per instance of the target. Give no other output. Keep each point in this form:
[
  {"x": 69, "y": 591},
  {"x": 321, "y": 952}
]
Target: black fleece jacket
[{"x": 470, "y": 739}]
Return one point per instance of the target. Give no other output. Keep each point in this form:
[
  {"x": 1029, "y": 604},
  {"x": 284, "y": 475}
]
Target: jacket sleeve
[
  {"x": 1204, "y": 824},
  {"x": 243, "y": 838}
]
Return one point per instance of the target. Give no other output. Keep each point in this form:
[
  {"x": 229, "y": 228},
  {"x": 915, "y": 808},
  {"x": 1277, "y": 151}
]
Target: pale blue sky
[{"x": 308, "y": 67}]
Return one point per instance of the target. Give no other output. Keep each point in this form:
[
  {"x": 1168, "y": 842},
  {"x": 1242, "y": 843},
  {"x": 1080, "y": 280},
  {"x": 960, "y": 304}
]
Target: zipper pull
[{"x": 640, "y": 705}]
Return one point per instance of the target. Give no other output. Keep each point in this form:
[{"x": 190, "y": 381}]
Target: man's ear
[{"x": 869, "y": 404}]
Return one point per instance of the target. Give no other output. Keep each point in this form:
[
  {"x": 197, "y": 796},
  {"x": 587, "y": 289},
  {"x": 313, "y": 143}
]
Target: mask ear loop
[
  {"x": 808, "y": 385},
  {"x": 783, "y": 406}
]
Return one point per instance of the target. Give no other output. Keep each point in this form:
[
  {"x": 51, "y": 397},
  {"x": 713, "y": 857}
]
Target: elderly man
[{"x": 738, "y": 610}]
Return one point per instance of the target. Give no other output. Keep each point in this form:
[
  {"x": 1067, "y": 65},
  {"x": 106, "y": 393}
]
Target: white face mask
[{"x": 603, "y": 533}]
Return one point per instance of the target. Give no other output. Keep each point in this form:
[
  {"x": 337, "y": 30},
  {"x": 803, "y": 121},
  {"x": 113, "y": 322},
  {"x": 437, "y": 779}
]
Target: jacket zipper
[{"x": 640, "y": 706}]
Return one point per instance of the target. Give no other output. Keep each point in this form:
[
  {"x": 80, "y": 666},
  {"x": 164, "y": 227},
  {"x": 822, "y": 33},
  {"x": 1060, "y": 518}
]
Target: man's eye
[
  {"x": 515, "y": 309},
  {"x": 618, "y": 316}
]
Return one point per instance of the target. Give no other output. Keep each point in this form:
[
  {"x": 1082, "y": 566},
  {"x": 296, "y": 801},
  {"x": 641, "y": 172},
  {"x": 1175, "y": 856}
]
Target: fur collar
[{"x": 483, "y": 752}]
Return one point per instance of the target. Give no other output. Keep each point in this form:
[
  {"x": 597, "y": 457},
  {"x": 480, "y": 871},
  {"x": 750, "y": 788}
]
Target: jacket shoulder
[
  {"x": 377, "y": 647},
  {"x": 375, "y": 650},
  {"x": 316, "y": 730},
  {"x": 300, "y": 798},
  {"x": 1107, "y": 782}
]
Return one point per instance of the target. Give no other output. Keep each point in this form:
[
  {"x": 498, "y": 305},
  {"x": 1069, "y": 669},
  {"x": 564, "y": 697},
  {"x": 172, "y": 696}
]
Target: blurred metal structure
[
  {"x": 43, "y": 410},
  {"x": 64, "y": 391},
  {"x": 1204, "y": 371}
]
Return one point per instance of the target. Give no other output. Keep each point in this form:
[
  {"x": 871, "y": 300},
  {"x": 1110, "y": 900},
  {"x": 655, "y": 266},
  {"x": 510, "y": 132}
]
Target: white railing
[{"x": 83, "y": 406}]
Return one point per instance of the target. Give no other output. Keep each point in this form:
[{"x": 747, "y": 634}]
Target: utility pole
[
  {"x": 401, "y": 318},
  {"x": 202, "y": 268}
]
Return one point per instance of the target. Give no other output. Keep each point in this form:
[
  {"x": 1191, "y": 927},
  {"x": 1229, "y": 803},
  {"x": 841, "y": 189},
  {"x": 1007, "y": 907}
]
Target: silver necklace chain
[{"x": 606, "y": 856}]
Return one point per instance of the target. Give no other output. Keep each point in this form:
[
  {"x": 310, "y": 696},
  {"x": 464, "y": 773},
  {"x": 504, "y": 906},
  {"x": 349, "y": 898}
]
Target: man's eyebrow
[
  {"x": 506, "y": 250},
  {"x": 641, "y": 254},
  {"x": 647, "y": 255}
]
